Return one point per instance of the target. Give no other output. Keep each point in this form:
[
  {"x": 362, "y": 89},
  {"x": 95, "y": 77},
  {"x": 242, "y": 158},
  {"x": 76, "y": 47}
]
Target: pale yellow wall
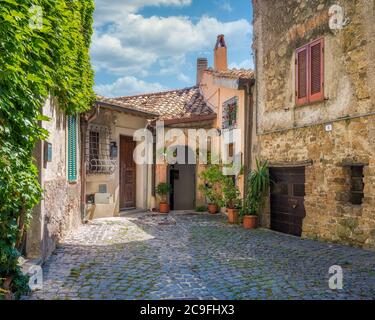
[{"x": 121, "y": 125}]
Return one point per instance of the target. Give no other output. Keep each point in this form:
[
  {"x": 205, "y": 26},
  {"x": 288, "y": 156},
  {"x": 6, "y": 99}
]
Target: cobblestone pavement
[{"x": 188, "y": 256}]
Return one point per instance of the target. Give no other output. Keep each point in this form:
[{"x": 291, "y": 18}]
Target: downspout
[
  {"x": 248, "y": 104},
  {"x": 149, "y": 126},
  {"x": 85, "y": 120}
]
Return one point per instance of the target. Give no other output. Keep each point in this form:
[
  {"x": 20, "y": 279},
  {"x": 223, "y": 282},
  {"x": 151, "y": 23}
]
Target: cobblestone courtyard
[{"x": 188, "y": 256}]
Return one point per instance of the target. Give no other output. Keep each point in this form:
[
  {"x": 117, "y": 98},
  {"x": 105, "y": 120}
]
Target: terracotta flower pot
[
  {"x": 164, "y": 207},
  {"x": 233, "y": 215},
  {"x": 212, "y": 208},
  {"x": 250, "y": 222}
]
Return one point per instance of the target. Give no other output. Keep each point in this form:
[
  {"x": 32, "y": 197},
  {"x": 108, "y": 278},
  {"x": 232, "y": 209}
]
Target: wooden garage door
[{"x": 288, "y": 200}]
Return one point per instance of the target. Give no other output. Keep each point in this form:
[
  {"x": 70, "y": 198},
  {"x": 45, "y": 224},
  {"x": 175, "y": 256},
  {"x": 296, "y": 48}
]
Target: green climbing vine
[{"x": 44, "y": 51}]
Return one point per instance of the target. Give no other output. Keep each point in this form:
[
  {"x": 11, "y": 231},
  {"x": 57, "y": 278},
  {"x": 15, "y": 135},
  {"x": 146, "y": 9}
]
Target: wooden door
[
  {"x": 288, "y": 200},
  {"x": 127, "y": 173}
]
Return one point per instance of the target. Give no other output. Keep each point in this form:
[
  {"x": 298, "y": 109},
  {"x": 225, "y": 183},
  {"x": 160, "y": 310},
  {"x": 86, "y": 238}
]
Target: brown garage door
[{"x": 288, "y": 200}]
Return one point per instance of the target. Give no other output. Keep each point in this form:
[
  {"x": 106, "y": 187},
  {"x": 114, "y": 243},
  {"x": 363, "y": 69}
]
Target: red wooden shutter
[
  {"x": 302, "y": 76},
  {"x": 316, "y": 71}
]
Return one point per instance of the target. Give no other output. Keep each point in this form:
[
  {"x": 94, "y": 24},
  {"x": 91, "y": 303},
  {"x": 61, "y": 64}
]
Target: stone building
[
  {"x": 58, "y": 161},
  {"x": 315, "y": 116}
]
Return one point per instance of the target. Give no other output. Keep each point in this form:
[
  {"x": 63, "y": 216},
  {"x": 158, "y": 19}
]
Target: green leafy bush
[
  {"x": 201, "y": 209},
  {"x": 212, "y": 188},
  {"x": 35, "y": 63},
  {"x": 258, "y": 182},
  {"x": 232, "y": 195},
  {"x": 162, "y": 190}
]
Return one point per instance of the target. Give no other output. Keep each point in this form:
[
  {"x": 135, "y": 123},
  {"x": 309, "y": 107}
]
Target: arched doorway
[{"x": 182, "y": 179}]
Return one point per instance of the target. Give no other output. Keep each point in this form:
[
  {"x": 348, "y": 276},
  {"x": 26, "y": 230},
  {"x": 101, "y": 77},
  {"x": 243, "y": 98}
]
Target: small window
[
  {"x": 357, "y": 185},
  {"x": 231, "y": 150},
  {"x": 230, "y": 109},
  {"x": 310, "y": 73}
]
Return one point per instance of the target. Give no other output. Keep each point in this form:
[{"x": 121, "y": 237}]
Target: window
[
  {"x": 99, "y": 152},
  {"x": 230, "y": 108},
  {"x": 357, "y": 185},
  {"x": 72, "y": 148},
  {"x": 310, "y": 73},
  {"x": 94, "y": 146},
  {"x": 231, "y": 150}
]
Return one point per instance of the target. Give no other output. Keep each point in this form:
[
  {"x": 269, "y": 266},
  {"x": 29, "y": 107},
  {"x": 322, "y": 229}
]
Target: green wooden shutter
[{"x": 72, "y": 148}]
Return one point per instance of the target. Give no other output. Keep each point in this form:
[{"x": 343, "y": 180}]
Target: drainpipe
[
  {"x": 151, "y": 126},
  {"x": 85, "y": 120}
]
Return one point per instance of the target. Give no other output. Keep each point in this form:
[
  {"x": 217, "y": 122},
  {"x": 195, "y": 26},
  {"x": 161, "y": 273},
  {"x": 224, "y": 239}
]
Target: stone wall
[
  {"x": 291, "y": 135},
  {"x": 60, "y": 210}
]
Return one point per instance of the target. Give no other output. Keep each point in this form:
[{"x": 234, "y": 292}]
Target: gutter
[{"x": 191, "y": 119}]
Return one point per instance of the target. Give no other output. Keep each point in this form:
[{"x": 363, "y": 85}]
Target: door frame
[{"x": 120, "y": 175}]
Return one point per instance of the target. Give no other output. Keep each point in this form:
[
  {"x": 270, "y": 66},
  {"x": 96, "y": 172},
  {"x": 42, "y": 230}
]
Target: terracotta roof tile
[
  {"x": 175, "y": 104},
  {"x": 233, "y": 73},
  {"x": 125, "y": 106}
]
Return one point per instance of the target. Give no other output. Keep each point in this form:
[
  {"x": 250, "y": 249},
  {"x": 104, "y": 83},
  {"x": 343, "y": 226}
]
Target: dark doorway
[
  {"x": 127, "y": 173},
  {"x": 183, "y": 182},
  {"x": 288, "y": 200}
]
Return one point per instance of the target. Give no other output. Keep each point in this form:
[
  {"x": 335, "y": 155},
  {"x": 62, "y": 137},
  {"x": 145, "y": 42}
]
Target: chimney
[
  {"x": 202, "y": 65},
  {"x": 220, "y": 56}
]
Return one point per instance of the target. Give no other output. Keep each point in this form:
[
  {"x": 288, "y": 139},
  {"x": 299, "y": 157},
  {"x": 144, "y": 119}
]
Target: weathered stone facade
[
  {"x": 289, "y": 134},
  {"x": 60, "y": 210}
]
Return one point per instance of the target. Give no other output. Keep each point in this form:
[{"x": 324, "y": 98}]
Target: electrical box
[{"x": 103, "y": 198}]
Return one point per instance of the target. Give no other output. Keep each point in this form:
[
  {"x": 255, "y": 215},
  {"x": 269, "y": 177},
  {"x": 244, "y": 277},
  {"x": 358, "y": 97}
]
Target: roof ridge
[
  {"x": 156, "y": 93},
  {"x": 229, "y": 69}
]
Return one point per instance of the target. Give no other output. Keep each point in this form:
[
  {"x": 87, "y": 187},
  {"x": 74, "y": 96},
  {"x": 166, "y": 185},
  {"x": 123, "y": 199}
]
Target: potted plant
[
  {"x": 212, "y": 187},
  {"x": 257, "y": 186},
  {"x": 163, "y": 190},
  {"x": 232, "y": 200}
]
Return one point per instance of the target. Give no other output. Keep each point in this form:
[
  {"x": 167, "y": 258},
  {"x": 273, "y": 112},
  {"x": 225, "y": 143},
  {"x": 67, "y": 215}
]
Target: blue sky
[{"x": 144, "y": 46}]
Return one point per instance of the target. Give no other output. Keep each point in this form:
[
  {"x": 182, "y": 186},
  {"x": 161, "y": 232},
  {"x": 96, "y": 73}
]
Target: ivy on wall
[{"x": 44, "y": 50}]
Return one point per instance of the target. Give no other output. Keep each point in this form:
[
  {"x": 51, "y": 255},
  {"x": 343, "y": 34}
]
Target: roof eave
[
  {"x": 209, "y": 117},
  {"x": 144, "y": 114}
]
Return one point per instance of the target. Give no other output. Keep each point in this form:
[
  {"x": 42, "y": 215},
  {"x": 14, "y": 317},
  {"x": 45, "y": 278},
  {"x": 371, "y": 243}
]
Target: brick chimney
[
  {"x": 202, "y": 65},
  {"x": 220, "y": 54}
]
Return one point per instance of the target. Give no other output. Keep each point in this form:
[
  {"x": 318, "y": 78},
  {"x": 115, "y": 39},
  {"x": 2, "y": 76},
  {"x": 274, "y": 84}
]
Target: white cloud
[
  {"x": 136, "y": 43},
  {"x": 246, "y": 64},
  {"x": 127, "y": 86},
  {"x": 183, "y": 78},
  {"x": 109, "y": 11},
  {"x": 132, "y": 46},
  {"x": 224, "y": 5}
]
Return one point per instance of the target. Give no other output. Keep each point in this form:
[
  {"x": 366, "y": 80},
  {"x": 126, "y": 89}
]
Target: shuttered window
[
  {"x": 310, "y": 73},
  {"x": 72, "y": 148},
  {"x": 302, "y": 80}
]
